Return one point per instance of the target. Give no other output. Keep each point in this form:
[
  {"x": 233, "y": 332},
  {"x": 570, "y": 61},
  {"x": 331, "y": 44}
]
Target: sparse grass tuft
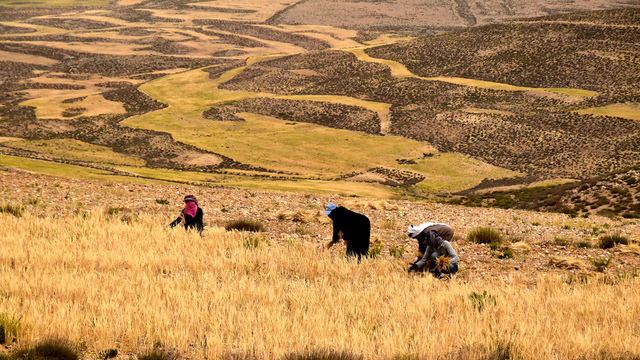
[
  {"x": 562, "y": 241},
  {"x": 323, "y": 355},
  {"x": 375, "y": 251},
  {"x": 244, "y": 225},
  {"x": 50, "y": 349},
  {"x": 108, "y": 354},
  {"x": 397, "y": 251},
  {"x": 159, "y": 355},
  {"x": 480, "y": 301},
  {"x": 485, "y": 235},
  {"x": 585, "y": 244},
  {"x": 9, "y": 327},
  {"x": 15, "y": 210},
  {"x": 609, "y": 241},
  {"x": 601, "y": 264},
  {"x": 162, "y": 201}
]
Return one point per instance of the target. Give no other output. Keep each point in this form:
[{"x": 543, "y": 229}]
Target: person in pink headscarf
[{"x": 191, "y": 215}]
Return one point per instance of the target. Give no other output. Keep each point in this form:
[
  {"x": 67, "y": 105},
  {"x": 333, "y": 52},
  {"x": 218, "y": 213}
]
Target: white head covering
[{"x": 416, "y": 230}]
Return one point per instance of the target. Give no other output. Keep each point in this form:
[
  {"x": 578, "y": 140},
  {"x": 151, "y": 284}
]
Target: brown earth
[{"x": 420, "y": 16}]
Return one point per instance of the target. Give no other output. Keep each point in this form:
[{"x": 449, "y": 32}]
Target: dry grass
[
  {"x": 128, "y": 286},
  {"x": 628, "y": 249},
  {"x": 299, "y": 215},
  {"x": 566, "y": 263}
]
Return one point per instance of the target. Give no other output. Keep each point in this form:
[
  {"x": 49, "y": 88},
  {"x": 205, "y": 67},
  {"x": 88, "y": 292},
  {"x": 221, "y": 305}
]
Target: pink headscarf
[{"x": 190, "y": 205}]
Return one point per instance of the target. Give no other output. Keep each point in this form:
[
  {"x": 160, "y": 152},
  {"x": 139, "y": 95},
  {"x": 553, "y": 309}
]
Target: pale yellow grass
[
  {"x": 63, "y": 170},
  {"x": 4, "y": 139},
  {"x": 109, "y": 284},
  {"x": 628, "y": 249},
  {"x": 567, "y": 263},
  {"x": 48, "y": 103},
  {"x": 25, "y": 58},
  {"x": 53, "y": 3},
  {"x": 77, "y": 150},
  {"x": 455, "y": 172},
  {"x": 264, "y": 8},
  {"x": 105, "y": 48},
  {"x": 242, "y": 180},
  {"x": 627, "y": 111},
  {"x": 399, "y": 70}
]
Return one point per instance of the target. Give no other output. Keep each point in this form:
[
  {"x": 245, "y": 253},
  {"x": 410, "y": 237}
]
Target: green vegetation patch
[
  {"x": 626, "y": 111},
  {"x": 76, "y": 150}
]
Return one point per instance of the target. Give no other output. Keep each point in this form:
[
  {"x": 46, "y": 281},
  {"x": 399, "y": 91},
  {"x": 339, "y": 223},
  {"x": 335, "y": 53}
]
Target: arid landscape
[{"x": 517, "y": 119}]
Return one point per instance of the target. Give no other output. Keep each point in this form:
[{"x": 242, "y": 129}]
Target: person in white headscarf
[{"x": 433, "y": 242}]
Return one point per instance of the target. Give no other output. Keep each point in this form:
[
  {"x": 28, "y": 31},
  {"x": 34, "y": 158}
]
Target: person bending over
[
  {"x": 190, "y": 216},
  {"x": 354, "y": 228},
  {"x": 438, "y": 257}
]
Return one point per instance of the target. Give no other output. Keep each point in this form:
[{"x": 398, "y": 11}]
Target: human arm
[
  {"x": 178, "y": 221},
  {"x": 450, "y": 252}
]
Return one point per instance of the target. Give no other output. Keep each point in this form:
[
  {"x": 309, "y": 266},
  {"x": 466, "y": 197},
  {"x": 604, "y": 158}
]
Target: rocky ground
[{"x": 540, "y": 242}]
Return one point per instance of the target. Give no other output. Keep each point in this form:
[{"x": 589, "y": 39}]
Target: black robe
[
  {"x": 355, "y": 229},
  {"x": 189, "y": 221}
]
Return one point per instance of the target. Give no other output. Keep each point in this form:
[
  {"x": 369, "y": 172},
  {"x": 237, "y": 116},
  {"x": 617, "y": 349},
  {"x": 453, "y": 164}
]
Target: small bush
[
  {"x": 162, "y": 201},
  {"x": 113, "y": 210},
  {"x": 244, "y": 225},
  {"x": 609, "y": 241},
  {"x": 397, "y": 251},
  {"x": 51, "y": 349},
  {"x": 485, "y": 235},
  {"x": 480, "y": 301},
  {"x": 15, "y": 210},
  {"x": 507, "y": 254}
]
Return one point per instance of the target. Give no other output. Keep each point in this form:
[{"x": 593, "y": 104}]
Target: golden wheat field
[{"x": 105, "y": 283}]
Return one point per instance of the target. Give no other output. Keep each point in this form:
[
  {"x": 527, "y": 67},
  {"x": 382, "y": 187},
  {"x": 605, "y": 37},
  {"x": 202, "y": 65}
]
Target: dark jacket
[
  {"x": 190, "y": 222},
  {"x": 355, "y": 229}
]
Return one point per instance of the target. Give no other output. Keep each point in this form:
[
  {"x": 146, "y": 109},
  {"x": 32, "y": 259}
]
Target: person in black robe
[
  {"x": 190, "y": 216},
  {"x": 354, "y": 228}
]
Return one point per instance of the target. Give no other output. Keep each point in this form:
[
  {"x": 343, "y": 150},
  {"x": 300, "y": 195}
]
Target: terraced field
[{"x": 242, "y": 91}]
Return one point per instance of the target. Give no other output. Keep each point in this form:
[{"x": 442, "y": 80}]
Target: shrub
[
  {"x": 51, "y": 349},
  {"x": 397, "y": 251},
  {"x": 485, "y": 235},
  {"x": 113, "y": 210},
  {"x": 162, "y": 201},
  {"x": 609, "y": 241},
  {"x": 507, "y": 254},
  {"x": 15, "y": 210},
  {"x": 244, "y": 225}
]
